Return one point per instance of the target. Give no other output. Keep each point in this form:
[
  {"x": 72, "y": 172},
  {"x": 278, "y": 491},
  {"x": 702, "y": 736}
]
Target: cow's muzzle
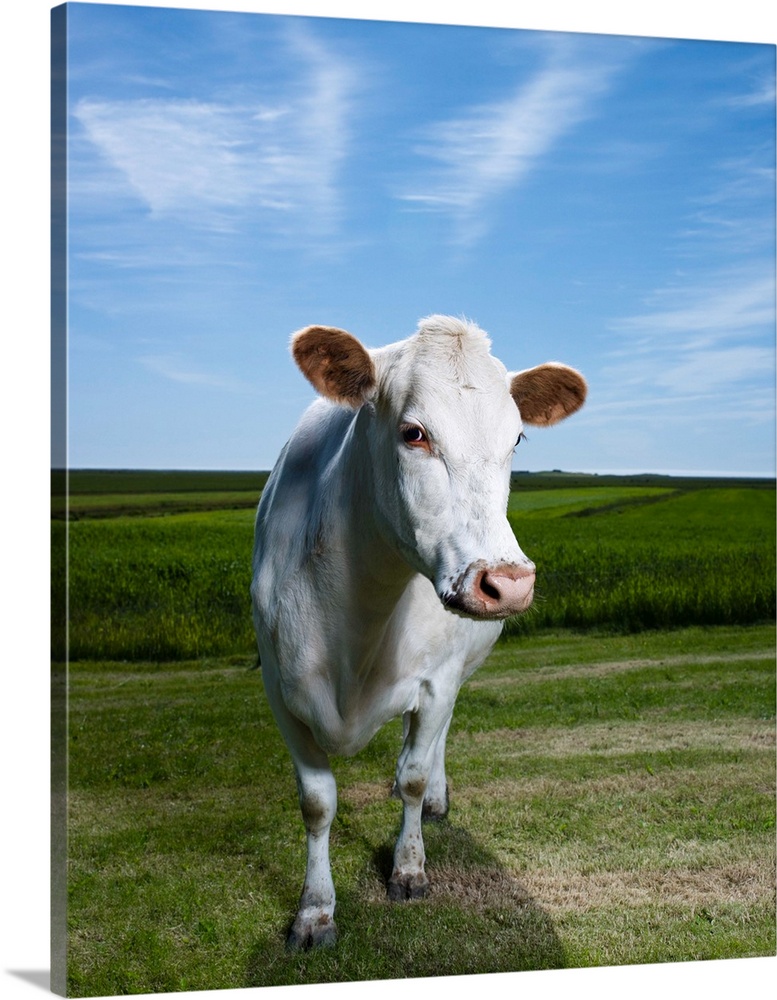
[{"x": 484, "y": 591}]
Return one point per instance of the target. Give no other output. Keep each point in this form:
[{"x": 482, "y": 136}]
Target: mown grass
[
  {"x": 612, "y": 802},
  {"x": 620, "y": 558}
]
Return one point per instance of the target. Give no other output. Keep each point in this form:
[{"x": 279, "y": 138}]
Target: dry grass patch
[
  {"x": 605, "y": 669},
  {"x": 746, "y": 884},
  {"x": 621, "y": 737},
  {"x": 606, "y": 789},
  {"x": 361, "y": 794}
]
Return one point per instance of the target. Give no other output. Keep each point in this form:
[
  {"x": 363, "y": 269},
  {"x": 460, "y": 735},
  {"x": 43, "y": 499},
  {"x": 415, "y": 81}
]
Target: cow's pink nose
[
  {"x": 493, "y": 591},
  {"x": 505, "y": 590}
]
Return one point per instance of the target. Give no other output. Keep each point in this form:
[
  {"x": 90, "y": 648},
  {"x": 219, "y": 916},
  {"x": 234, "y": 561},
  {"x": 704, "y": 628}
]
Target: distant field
[
  {"x": 567, "y": 500},
  {"x": 165, "y": 574},
  {"x": 120, "y": 493},
  {"x": 86, "y": 481},
  {"x": 152, "y": 504},
  {"x": 82, "y": 482},
  {"x": 102, "y": 504}
]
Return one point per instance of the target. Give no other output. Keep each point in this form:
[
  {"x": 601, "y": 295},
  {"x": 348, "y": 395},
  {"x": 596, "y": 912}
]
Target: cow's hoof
[
  {"x": 306, "y": 934},
  {"x": 402, "y": 887}
]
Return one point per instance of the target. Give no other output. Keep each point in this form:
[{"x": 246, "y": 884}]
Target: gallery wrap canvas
[{"x": 221, "y": 180}]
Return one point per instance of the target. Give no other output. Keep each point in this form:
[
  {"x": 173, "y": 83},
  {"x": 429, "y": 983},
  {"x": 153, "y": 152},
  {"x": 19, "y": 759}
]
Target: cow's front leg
[
  {"x": 414, "y": 770},
  {"x": 408, "y": 878},
  {"x": 436, "y": 799},
  {"x": 314, "y": 923}
]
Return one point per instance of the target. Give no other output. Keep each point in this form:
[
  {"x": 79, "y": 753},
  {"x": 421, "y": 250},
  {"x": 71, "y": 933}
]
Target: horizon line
[{"x": 676, "y": 473}]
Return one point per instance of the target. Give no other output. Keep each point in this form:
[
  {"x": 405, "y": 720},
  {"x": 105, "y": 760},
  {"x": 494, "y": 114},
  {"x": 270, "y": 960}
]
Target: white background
[{"x": 24, "y": 889}]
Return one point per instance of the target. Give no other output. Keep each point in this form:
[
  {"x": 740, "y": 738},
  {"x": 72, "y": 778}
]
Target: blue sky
[{"x": 607, "y": 201}]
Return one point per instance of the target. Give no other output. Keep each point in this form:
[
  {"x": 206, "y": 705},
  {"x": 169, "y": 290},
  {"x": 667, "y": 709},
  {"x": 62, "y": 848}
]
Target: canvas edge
[{"x": 58, "y": 910}]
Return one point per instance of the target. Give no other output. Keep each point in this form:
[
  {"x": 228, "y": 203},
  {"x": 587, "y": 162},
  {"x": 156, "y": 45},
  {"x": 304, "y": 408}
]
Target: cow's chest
[{"x": 424, "y": 654}]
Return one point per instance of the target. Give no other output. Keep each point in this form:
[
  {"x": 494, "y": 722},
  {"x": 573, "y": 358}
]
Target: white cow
[{"x": 384, "y": 564}]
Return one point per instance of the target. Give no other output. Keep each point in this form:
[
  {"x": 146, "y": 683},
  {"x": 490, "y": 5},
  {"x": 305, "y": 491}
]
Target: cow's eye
[
  {"x": 414, "y": 435},
  {"x": 521, "y": 437}
]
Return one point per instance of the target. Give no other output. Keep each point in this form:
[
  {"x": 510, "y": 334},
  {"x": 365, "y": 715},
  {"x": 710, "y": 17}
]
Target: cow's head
[{"x": 442, "y": 418}]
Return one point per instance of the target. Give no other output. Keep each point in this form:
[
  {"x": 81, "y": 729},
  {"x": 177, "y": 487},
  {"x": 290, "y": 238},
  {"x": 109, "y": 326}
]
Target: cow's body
[{"x": 384, "y": 564}]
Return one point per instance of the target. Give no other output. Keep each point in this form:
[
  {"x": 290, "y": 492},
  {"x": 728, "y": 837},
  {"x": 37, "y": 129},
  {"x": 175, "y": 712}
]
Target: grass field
[
  {"x": 147, "y": 582},
  {"x": 612, "y": 765},
  {"x": 612, "y": 803}
]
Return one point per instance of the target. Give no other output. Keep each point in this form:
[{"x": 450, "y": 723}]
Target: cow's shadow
[{"x": 477, "y": 918}]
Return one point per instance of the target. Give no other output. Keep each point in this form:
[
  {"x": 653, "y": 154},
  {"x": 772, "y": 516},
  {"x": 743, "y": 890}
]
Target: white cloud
[
  {"x": 735, "y": 216},
  {"x": 491, "y": 148},
  {"x": 689, "y": 381},
  {"x": 713, "y": 370},
  {"x": 722, "y": 307},
  {"x": 703, "y": 356},
  {"x": 203, "y": 161},
  {"x": 762, "y": 95},
  {"x": 176, "y": 369},
  {"x": 700, "y": 354}
]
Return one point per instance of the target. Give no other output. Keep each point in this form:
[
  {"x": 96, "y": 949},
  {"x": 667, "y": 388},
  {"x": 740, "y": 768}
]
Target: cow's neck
[{"x": 378, "y": 575}]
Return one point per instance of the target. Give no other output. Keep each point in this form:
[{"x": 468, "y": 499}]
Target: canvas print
[{"x": 413, "y": 494}]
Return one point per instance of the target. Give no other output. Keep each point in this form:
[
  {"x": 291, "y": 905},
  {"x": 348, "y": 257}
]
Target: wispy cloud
[
  {"x": 711, "y": 370},
  {"x": 729, "y": 305},
  {"x": 491, "y": 148},
  {"x": 763, "y": 94},
  {"x": 176, "y": 369},
  {"x": 689, "y": 376},
  {"x": 704, "y": 345},
  {"x": 702, "y": 355},
  {"x": 203, "y": 160},
  {"x": 733, "y": 218}
]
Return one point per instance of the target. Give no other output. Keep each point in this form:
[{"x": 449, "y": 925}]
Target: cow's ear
[
  {"x": 547, "y": 393},
  {"x": 335, "y": 364}
]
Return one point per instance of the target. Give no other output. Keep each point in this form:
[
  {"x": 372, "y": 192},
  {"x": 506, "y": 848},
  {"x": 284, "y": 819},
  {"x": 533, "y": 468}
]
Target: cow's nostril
[{"x": 492, "y": 591}]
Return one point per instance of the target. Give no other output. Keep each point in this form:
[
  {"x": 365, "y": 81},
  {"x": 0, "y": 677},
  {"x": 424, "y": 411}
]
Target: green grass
[
  {"x": 83, "y": 482},
  {"x": 165, "y": 587},
  {"x": 566, "y": 500},
  {"x": 615, "y": 556},
  {"x": 612, "y": 802},
  {"x": 611, "y": 766},
  {"x": 105, "y": 505},
  {"x": 702, "y": 557}
]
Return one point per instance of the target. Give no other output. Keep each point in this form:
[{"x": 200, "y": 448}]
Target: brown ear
[
  {"x": 548, "y": 393},
  {"x": 335, "y": 364}
]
